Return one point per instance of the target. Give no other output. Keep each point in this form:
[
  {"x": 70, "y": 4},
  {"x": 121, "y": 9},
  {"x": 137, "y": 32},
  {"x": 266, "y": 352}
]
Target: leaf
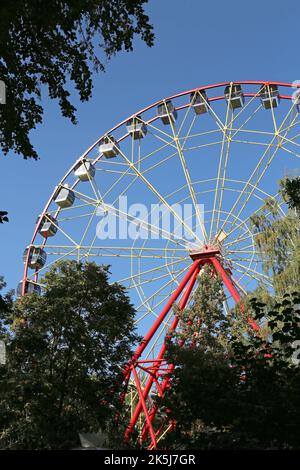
[
  {"x": 58, "y": 50},
  {"x": 277, "y": 336},
  {"x": 3, "y": 217}
]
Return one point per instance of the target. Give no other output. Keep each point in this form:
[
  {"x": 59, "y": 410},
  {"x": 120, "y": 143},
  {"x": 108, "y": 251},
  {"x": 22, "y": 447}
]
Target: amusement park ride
[{"x": 219, "y": 149}]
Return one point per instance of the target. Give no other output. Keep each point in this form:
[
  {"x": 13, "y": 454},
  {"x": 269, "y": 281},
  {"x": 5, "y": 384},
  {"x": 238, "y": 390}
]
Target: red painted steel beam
[
  {"x": 170, "y": 369},
  {"x": 229, "y": 284},
  {"x": 164, "y": 312},
  {"x": 147, "y": 338},
  {"x": 161, "y": 353},
  {"x": 140, "y": 392},
  {"x": 191, "y": 275}
]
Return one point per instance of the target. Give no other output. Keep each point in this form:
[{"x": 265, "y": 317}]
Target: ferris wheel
[{"x": 165, "y": 192}]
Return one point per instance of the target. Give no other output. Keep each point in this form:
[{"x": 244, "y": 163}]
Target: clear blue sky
[{"x": 197, "y": 43}]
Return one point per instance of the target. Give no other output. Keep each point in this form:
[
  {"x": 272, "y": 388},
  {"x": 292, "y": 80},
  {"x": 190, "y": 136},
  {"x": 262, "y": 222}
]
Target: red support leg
[
  {"x": 140, "y": 392},
  {"x": 164, "y": 312},
  {"x": 229, "y": 284},
  {"x": 170, "y": 369},
  {"x": 191, "y": 275}
]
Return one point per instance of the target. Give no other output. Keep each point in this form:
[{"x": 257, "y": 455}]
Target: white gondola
[
  {"x": 48, "y": 226},
  {"x": 198, "y": 100},
  {"x": 296, "y": 99},
  {"x": 64, "y": 197},
  {"x": 269, "y": 96},
  {"x": 30, "y": 288},
  {"x": 136, "y": 127},
  {"x": 167, "y": 112},
  {"x": 109, "y": 147},
  {"x": 234, "y": 96},
  {"x": 84, "y": 170},
  {"x": 37, "y": 257}
]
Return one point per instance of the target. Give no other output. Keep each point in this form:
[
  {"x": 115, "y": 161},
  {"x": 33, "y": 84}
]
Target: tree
[
  {"x": 6, "y": 302},
  {"x": 196, "y": 324},
  {"x": 249, "y": 398},
  {"x": 65, "y": 357},
  {"x": 245, "y": 395},
  {"x": 277, "y": 237},
  {"x": 51, "y": 44},
  {"x": 290, "y": 190},
  {"x": 236, "y": 388}
]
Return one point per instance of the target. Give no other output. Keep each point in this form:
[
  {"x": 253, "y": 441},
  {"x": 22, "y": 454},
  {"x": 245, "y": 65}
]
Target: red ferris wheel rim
[{"x": 147, "y": 108}]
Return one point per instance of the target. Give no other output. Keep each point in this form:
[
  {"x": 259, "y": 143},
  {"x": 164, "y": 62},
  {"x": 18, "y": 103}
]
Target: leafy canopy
[
  {"x": 55, "y": 44},
  {"x": 3, "y": 217},
  {"x": 277, "y": 237},
  {"x": 65, "y": 355}
]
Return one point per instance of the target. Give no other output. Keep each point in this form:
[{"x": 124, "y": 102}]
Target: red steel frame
[{"x": 158, "y": 367}]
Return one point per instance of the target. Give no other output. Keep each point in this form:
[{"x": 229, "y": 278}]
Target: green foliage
[
  {"x": 290, "y": 190},
  {"x": 6, "y": 302},
  {"x": 3, "y": 217},
  {"x": 65, "y": 357},
  {"x": 206, "y": 313},
  {"x": 55, "y": 43},
  {"x": 277, "y": 237},
  {"x": 244, "y": 396}
]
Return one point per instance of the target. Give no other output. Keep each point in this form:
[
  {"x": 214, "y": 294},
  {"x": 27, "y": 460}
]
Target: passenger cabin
[
  {"x": 37, "y": 257},
  {"x": 198, "y": 100},
  {"x": 64, "y": 197},
  {"x": 84, "y": 170},
  {"x": 48, "y": 226},
  {"x": 136, "y": 127},
  {"x": 167, "y": 112},
  {"x": 296, "y": 99},
  {"x": 109, "y": 146},
  {"x": 30, "y": 288},
  {"x": 269, "y": 96},
  {"x": 234, "y": 96}
]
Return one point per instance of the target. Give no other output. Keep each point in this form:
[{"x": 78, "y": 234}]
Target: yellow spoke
[
  {"x": 157, "y": 194},
  {"x": 115, "y": 172},
  {"x": 161, "y": 276},
  {"x": 168, "y": 142},
  {"x": 147, "y": 271},
  {"x": 62, "y": 231},
  {"x": 236, "y": 282},
  {"x": 252, "y": 131},
  {"x": 263, "y": 277},
  {"x": 291, "y": 141},
  {"x": 243, "y": 109},
  {"x": 163, "y": 160},
  {"x": 158, "y": 291},
  {"x": 74, "y": 206},
  {"x": 280, "y": 203},
  {"x": 220, "y": 167},
  {"x": 223, "y": 178},
  {"x": 255, "y": 172},
  {"x": 189, "y": 181},
  {"x": 46, "y": 266},
  {"x": 291, "y": 152},
  {"x": 146, "y": 301},
  {"x": 251, "y": 142}
]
